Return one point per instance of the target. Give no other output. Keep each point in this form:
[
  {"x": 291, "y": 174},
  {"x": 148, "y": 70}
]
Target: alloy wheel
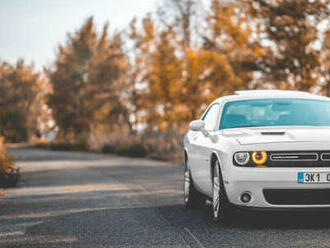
[
  {"x": 216, "y": 191},
  {"x": 186, "y": 183}
]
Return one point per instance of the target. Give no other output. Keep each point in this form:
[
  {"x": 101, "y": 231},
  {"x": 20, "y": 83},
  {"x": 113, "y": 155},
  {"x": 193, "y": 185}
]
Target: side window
[{"x": 211, "y": 117}]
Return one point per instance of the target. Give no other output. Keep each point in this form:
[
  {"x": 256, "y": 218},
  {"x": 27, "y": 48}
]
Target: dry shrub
[
  {"x": 131, "y": 149},
  {"x": 164, "y": 146},
  {"x": 9, "y": 173},
  {"x": 120, "y": 140},
  {"x": 6, "y": 164},
  {"x": 114, "y": 135}
]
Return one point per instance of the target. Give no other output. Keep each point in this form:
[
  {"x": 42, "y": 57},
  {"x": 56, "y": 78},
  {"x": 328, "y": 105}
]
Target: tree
[
  {"x": 290, "y": 29},
  {"x": 159, "y": 74},
  {"x": 20, "y": 101},
  {"x": 88, "y": 81},
  {"x": 232, "y": 35},
  {"x": 68, "y": 80},
  {"x": 325, "y": 63},
  {"x": 110, "y": 87},
  {"x": 176, "y": 79}
]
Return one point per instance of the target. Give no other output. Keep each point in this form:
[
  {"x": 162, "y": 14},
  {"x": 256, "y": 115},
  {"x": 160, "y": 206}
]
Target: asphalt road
[{"x": 89, "y": 200}]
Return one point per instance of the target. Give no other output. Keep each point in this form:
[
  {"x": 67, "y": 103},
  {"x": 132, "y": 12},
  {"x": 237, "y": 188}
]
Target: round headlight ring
[
  {"x": 242, "y": 158},
  {"x": 259, "y": 158}
]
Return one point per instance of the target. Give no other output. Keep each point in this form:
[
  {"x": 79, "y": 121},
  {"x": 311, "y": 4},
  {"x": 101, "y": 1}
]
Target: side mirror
[{"x": 197, "y": 125}]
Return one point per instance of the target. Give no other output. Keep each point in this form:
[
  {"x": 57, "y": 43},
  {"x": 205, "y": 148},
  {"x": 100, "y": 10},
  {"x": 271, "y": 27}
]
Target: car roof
[{"x": 255, "y": 94}]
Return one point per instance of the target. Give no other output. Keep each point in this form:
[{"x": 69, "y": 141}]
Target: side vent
[{"x": 273, "y": 133}]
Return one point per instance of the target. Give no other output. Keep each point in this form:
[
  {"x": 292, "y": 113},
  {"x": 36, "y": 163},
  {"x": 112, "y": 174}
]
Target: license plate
[{"x": 313, "y": 177}]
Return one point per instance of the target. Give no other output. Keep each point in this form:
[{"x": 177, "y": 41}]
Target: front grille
[
  {"x": 294, "y": 156},
  {"x": 297, "y": 196},
  {"x": 325, "y": 156},
  {"x": 299, "y": 159}
]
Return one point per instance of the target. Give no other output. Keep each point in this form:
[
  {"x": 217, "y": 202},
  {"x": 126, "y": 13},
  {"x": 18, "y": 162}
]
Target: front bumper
[{"x": 255, "y": 180}]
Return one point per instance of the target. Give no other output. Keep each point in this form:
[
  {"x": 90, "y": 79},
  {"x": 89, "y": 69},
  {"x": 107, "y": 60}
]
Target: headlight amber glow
[{"x": 259, "y": 158}]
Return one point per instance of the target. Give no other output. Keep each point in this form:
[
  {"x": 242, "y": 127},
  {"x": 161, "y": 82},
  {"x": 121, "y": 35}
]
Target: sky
[{"x": 33, "y": 29}]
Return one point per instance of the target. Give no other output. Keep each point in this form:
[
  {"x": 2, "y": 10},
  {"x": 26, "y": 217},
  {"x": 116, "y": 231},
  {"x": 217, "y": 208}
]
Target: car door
[{"x": 201, "y": 143}]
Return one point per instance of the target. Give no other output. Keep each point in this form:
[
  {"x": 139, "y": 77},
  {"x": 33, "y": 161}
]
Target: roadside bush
[
  {"x": 163, "y": 146},
  {"x": 151, "y": 144},
  {"x": 9, "y": 173},
  {"x": 63, "y": 146}
]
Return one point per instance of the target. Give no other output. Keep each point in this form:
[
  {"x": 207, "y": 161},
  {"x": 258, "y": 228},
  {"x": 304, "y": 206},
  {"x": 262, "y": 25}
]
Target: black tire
[
  {"x": 192, "y": 198},
  {"x": 220, "y": 204}
]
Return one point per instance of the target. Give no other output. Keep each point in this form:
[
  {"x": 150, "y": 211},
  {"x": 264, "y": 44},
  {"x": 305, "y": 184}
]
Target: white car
[{"x": 262, "y": 149}]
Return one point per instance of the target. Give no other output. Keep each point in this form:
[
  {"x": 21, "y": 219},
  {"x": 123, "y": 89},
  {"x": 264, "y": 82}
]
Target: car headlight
[
  {"x": 259, "y": 158},
  {"x": 242, "y": 158}
]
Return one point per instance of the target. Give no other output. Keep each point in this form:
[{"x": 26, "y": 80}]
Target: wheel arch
[
  {"x": 214, "y": 157},
  {"x": 185, "y": 156}
]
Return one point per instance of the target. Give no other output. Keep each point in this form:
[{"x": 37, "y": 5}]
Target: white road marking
[
  {"x": 11, "y": 234},
  {"x": 193, "y": 236},
  {"x": 23, "y": 241}
]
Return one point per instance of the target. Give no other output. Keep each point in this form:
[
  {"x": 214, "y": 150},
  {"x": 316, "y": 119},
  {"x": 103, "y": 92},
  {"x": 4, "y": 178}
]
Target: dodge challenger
[{"x": 262, "y": 149}]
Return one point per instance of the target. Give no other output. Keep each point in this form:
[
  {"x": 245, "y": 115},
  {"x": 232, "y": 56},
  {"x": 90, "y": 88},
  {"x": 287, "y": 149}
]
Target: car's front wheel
[
  {"x": 220, "y": 202},
  {"x": 192, "y": 198}
]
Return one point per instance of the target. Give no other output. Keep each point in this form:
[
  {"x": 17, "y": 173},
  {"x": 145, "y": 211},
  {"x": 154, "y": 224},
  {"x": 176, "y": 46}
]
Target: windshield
[{"x": 275, "y": 112}]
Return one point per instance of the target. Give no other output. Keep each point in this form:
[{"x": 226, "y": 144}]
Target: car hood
[{"x": 247, "y": 136}]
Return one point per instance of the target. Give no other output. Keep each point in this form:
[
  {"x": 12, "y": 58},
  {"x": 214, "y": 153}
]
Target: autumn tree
[
  {"x": 89, "y": 86},
  {"x": 180, "y": 78},
  {"x": 223, "y": 59},
  {"x": 290, "y": 28},
  {"x": 160, "y": 75},
  {"x": 21, "y": 101},
  {"x": 231, "y": 35},
  {"x": 325, "y": 64}
]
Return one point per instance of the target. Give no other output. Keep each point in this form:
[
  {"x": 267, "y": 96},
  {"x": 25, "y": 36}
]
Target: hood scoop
[{"x": 273, "y": 133}]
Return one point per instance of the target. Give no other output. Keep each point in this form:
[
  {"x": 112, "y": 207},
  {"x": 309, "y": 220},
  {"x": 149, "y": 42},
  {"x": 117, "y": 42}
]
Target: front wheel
[{"x": 220, "y": 202}]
